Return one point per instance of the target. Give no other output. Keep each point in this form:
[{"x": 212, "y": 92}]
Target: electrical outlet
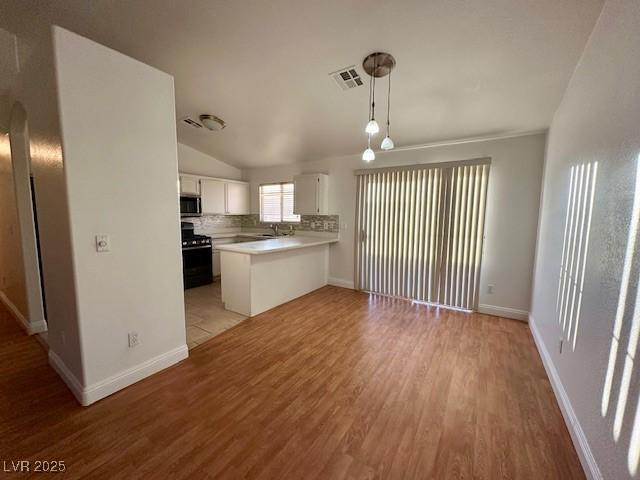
[
  {"x": 134, "y": 340},
  {"x": 560, "y": 345},
  {"x": 344, "y": 226},
  {"x": 326, "y": 225},
  {"x": 490, "y": 288}
]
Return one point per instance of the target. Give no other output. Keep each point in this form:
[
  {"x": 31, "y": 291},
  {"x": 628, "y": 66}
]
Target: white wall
[
  {"x": 512, "y": 209},
  {"x": 21, "y": 162},
  {"x": 193, "y": 161},
  {"x": 13, "y": 290},
  {"x": 598, "y": 121},
  {"x": 119, "y": 141},
  {"x": 35, "y": 87}
]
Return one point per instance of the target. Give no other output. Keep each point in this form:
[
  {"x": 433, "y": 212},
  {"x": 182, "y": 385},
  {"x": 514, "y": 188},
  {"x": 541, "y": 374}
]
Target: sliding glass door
[{"x": 419, "y": 231}]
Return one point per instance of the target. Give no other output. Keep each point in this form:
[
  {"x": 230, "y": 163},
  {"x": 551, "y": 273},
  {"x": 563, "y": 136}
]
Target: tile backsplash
[
  {"x": 208, "y": 222},
  {"x": 308, "y": 223}
]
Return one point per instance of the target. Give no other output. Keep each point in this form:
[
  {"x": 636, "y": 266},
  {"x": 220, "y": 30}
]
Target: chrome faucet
[{"x": 275, "y": 227}]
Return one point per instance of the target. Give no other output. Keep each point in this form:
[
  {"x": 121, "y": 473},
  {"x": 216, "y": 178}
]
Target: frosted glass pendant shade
[
  {"x": 368, "y": 155},
  {"x": 372, "y": 127},
  {"x": 387, "y": 143}
]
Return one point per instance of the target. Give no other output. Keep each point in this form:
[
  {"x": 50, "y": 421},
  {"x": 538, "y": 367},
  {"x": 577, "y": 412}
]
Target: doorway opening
[{"x": 25, "y": 191}]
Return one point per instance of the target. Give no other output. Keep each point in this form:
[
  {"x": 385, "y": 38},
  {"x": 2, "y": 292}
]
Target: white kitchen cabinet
[
  {"x": 311, "y": 194},
  {"x": 237, "y": 198},
  {"x": 216, "y": 263},
  {"x": 213, "y": 196},
  {"x": 218, "y": 195},
  {"x": 189, "y": 185}
]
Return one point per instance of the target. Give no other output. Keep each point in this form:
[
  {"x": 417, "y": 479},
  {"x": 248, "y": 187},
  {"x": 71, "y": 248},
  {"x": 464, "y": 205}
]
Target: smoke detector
[
  {"x": 212, "y": 122},
  {"x": 347, "y": 78}
]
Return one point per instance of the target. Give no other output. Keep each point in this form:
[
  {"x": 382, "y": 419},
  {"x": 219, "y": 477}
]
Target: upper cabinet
[
  {"x": 213, "y": 196},
  {"x": 311, "y": 194},
  {"x": 189, "y": 184},
  {"x": 224, "y": 197},
  {"x": 237, "y": 198}
]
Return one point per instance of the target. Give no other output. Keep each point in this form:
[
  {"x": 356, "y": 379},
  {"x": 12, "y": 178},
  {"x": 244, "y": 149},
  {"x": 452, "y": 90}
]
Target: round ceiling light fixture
[
  {"x": 378, "y": 64},
  {"x": 213, "y": 123}
]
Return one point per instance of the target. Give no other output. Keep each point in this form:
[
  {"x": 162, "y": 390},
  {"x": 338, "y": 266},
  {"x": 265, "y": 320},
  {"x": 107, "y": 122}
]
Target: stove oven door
[{"x": 197, "y": 268}]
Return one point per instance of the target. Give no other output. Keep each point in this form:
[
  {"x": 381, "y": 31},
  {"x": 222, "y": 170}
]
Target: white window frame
[{"x": 281, "y": 220}]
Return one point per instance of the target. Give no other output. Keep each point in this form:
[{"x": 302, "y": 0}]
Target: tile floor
[{"x": 205, "y": 315}]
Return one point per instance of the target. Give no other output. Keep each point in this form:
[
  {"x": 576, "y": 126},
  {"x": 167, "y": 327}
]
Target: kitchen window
[{"x": 276, "y": 203}]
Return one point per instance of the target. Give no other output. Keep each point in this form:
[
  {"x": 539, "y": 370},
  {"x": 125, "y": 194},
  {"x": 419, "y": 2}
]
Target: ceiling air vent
[
  {"x": 347, "y": 78},
  {"x": 191, "y": 122}
]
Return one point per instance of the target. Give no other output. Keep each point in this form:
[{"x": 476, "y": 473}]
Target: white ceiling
[{"x": 465, "y": 68}]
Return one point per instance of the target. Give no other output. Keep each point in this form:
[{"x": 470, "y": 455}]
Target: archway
[{"x": 27, "y": 217}]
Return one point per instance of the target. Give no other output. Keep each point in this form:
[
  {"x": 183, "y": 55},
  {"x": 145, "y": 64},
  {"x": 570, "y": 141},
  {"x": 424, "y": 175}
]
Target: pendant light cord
[
  {"x": 373, "y": 95},
  {"x": 388, "y": 104},
  {"x": 370, "y": 90}
]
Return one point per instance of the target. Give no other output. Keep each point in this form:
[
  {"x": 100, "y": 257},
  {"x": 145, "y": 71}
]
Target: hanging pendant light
[
  {"x": 372, "y": 127},
  {"x": 368, "y": 155},
  {"x": 387, "y": 143},
  {"x": 378, "y": 64}
]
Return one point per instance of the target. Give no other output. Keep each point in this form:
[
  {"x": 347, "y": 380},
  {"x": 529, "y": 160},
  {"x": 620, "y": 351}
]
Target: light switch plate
[{"x": 102, "y": 243}]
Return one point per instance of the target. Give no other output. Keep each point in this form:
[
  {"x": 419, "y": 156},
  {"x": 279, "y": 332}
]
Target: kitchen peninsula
[{"x": 263, "y": 274}]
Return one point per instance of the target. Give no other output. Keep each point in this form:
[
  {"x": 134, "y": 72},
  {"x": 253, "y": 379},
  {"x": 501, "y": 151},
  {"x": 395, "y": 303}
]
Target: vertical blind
[
  {"x": 276, "y": 203},
  {"x": 419, "y": 231}
]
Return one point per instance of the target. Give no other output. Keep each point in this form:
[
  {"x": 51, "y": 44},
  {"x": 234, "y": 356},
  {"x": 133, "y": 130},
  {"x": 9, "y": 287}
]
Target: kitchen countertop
[{"x": 280, "y": 244}]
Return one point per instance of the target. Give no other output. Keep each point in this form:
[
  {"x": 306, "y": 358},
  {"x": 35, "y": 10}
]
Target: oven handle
[{"x": 196, "y": 248}]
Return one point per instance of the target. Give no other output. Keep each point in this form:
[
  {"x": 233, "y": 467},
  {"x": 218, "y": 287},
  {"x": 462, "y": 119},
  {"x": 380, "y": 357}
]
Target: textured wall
[
  {"x": 598, "y": 121},
  {"x": 513, "y": 200},
  {"x": 35, "y": 87},
  {"x": 12, "y": 280},
  {"x": 192, "y": 161},
  {"x": 121, "y": 183}
]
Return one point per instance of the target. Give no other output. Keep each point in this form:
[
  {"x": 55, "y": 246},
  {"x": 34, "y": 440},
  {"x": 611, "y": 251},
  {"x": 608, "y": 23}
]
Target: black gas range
[
  {"x": 197, "y": 266},
  {"x": 195, "y": 241}
]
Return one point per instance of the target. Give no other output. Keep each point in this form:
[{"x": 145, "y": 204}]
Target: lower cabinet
[{"x": 216, "y": 263}]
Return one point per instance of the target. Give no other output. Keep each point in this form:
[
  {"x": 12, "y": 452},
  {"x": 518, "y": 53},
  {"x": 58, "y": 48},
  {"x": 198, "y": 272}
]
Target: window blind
[
  {"x": 276, "y": 203},
  {"x": 419, "y": 231}
]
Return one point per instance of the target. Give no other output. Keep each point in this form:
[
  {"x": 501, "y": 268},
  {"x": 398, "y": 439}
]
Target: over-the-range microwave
[{"x": 190, "y": 206}]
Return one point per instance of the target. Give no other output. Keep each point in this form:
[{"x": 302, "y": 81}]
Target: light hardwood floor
[{"x": 336, "y": 384}]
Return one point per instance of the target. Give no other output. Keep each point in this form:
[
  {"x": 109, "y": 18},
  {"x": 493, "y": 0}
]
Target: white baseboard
[
  {"x": 580, "y": 441},
  {"x": 504, "y": 312},
  {"x": 341, "y": 282},
  {"x": 69, "y": 378},
  {"x": 93, "y": 393},
  {"x": 30, "y": 327}
]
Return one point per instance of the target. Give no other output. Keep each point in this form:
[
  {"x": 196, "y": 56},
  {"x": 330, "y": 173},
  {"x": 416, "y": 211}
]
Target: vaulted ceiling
[{"x": 465, "y": 68}]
